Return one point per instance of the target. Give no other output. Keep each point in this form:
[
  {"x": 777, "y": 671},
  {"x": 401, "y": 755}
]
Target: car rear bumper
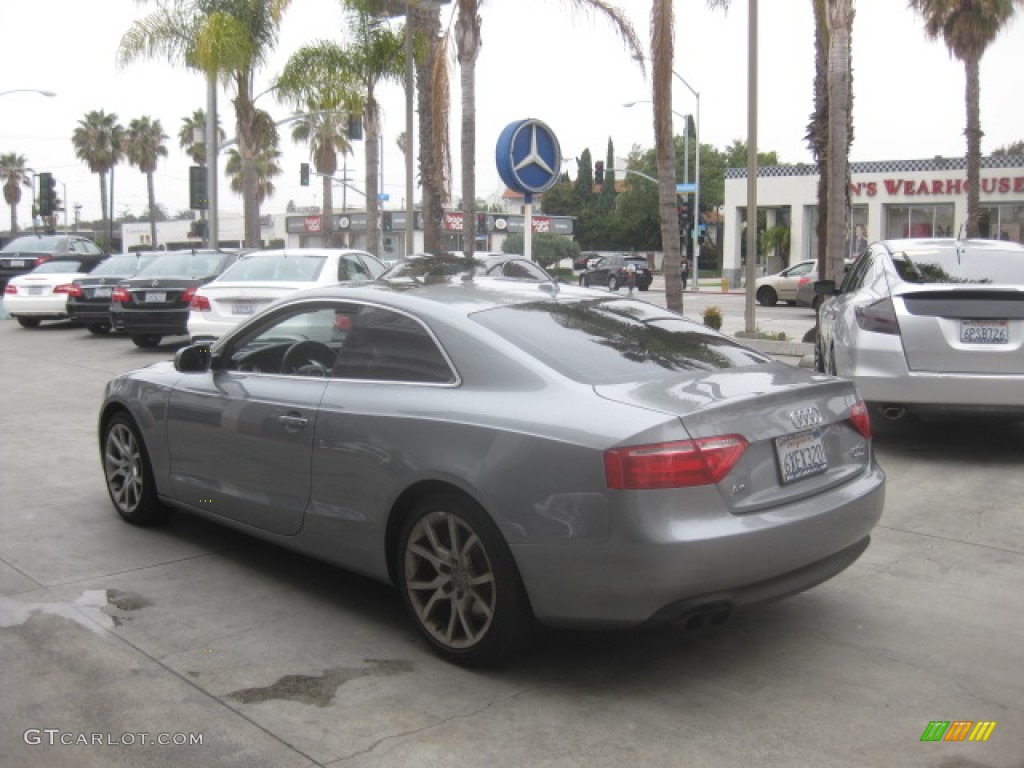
[
  {"x": 882, "y": 377},
  {"x": 89, "y": 313},
  {"x": 660, "y": 568},
  {"x": 162, "y": 322},
  {"x": 198, "y": 325},
  {"x": 43, "y": 307}
]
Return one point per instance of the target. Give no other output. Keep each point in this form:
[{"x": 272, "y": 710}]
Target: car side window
[
  {"x": 387, "y": 346},
  {"x": 800, "y": 269},
  {"x": 304, "y": 341},
  {"x": 855, "y": 277}
]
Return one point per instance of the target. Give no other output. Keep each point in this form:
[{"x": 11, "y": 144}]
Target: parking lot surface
[{"x": 192, "y": 645}]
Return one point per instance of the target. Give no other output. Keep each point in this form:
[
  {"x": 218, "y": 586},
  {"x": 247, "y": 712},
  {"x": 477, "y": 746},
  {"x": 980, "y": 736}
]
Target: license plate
[
  {"x": 156, "y": 297},
  {"x": 35, "y": 290},
  {"x": 800, "y": 455},
  {"x": 242, "y": 308},
  {"x": 101, "y": 293},
  {"x": 984, "y": 332},
  {"x": 17, "y": 262}
]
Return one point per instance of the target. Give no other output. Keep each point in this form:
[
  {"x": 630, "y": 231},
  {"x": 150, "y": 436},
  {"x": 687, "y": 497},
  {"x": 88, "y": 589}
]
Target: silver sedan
[
  {"x": 505, "y": 452},
  {"x": 929, "y": 326}
]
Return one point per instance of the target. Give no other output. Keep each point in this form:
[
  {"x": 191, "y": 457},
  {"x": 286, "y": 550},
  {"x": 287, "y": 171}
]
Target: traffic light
[
  {"x": 197, "y": 197},
  {"x": 385, "y": 221},
  {"x": 47, "y": 194},
  {"x": 599, "y": 173},
  {"x": 304, "y": 174},
  {"x": 685, "y": 213}
]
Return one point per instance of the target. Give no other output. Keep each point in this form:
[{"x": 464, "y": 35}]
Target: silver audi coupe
[{"x": 506, "y": 453}]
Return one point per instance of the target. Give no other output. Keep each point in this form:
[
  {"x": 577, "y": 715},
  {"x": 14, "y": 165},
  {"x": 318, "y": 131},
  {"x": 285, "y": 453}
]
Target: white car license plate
[
  {"x": 984, "y": 332},
  {"x": 35, "y": 290},
  {"x": 800, "y": 455},
  {"x": 156, "y": 297},
  {"x": 101, "y": 293},
  {"x": 242, "y": 308},
  {"x": 17, "y": 262}
]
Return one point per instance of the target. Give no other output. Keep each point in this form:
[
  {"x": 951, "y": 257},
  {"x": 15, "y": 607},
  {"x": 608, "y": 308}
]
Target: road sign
[{"x": 685, "y": 189}]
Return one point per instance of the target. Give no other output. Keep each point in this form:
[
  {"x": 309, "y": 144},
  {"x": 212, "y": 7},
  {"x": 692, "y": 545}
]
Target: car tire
[
  {"x": 146, "y": 340},
  {"x": 613, "y": 283},
  {"x": 129, "y": 474},
  {"x": 28, "y": 322},
  {"x": 100, "y": 329},
  {"x": 766, "y": 296},
  {"x": 460, "y": 583}
]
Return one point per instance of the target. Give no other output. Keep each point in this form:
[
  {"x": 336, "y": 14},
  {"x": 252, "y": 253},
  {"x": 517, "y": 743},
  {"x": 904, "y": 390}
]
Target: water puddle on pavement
[
  {"x": 319, "y": 690},
  {"x": 96, "y": 609}
]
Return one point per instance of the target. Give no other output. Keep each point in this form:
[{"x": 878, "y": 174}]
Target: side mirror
[
  {"x": 825, "y": 287},
  {"x": 194, "y": 358}
]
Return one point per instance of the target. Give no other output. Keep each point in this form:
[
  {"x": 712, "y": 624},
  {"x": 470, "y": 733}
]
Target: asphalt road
[{"x": 192, "y": 632}]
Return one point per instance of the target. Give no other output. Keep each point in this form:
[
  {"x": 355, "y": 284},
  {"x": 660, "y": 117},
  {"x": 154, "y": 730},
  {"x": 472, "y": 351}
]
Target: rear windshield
[
  {"x": 607, "y": 342},
  {"x": 947, "y": 264},
  {"x": 32, "y": 245},
  {"x": 58, "y": 266},
  {"x": 183, "y": 264},
  {"x": 122, "y": 265},
  {"x": 275, "y": 268}
]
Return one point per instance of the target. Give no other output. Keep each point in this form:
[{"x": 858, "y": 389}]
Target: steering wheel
[{"x": 308, "y": 358}]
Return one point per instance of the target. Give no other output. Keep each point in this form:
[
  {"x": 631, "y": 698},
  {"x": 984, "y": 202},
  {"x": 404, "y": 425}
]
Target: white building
[{"x": 900, "y": 198}]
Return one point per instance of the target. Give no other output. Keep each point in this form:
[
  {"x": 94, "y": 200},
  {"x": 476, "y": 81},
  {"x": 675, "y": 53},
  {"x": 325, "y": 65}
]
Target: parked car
[
  {"x": 155, "y": 303},
  {"x": 42, "y": 294},
  {"x": 425, "y": 267},
  {"x": 929, "y": 326},
  {"x": 614, "y": 270},
  {"x": 782, "y": 286},
  {"x": 584, "y": 260},
  {"x": 89, "y": 296},
  {"x": 442, "y": 436},
  {"x": 259, "y": 278},
  {"x": 25, "y": 253}
]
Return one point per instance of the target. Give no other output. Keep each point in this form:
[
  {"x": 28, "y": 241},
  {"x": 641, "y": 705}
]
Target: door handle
[{"x": 293, "y": 421}]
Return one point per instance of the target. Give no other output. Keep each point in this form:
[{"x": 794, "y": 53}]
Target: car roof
[{"x": 911, "y": 244}]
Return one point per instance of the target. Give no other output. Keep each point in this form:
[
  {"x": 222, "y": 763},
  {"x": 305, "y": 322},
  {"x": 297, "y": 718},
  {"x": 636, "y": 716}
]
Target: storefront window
[
  {"x": 919, "y": 221},
  {"x": 1002, "y": 222},
  {"x": 857, "y": 241}
]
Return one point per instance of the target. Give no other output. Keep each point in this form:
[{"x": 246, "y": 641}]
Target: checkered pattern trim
[{"x": 884, "y": 166}]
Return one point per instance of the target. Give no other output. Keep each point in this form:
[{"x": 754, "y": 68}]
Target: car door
[
  {"x": 837, "y": 318},
  {"x": 241, "y": 434},
  {"x": 786, "y": 286}
]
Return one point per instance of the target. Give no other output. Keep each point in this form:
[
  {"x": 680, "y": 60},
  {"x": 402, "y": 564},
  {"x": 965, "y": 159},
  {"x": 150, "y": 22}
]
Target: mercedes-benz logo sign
[{"x": 528, "y": 156}]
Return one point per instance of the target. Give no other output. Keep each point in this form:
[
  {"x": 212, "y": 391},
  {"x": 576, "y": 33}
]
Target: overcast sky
[{"x": 540, "y": 60}]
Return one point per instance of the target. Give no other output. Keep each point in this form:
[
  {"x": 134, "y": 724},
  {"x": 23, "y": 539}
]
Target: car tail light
[
  {"x": 41, "y": 259},
  {"x": 673, "y": 465},
  {"x": 879, "y": 317},
  {"x": 69, "y": 288},
  {"x": 860, "y": 419},
  {"x": 803, "y": 281},
  {"x": 198, "y": 302},
  {"x": 10, "y": 289},
  {"x": 120, "y": 296}
]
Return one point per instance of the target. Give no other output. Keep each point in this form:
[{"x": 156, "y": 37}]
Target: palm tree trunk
[
  {"x": 431, "y": 157},
  {"x": 972, "y": 65},
  {"x": 103, "y": 201},
  {"x": 151, "y": 189},
  {"x": 840, "y": 24},
  {"x": 467, "y": 33},
  {"x": 327, "y": 216},
  {"x": 372, "y": 174},
  {"x": 665, "y": 151},
  {"x": 245, "y": 122}
]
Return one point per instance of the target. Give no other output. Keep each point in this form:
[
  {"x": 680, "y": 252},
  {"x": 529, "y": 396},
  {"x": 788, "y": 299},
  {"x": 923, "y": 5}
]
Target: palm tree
[
  {"x": 968, "y": 27},
  {"x": 15, "y": 176},
  {"x": 266, "y": 142},
  {"x": 98, "y": 142},
  {"x": 839, "y": 19},
  {"x": 376, "y": 55},
  {"x": 319, "y": 80},
  {"x": 144, "y": 145},
  {"x": 662, "y": 34},
  {"x": 467, "y": 39},
  {"x": 225, "y": 39},
  {"x": 432, "y": 105}
]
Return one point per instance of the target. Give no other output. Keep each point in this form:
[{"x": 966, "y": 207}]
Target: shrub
[{"x": 713, "y": 317}]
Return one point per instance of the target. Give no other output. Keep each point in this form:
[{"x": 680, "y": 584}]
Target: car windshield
[
  {"x": 32, "y": 245},
  {"x": 275, "y": 267},
  {"x": 607, "y": 342},
  {"x": 57, "y": 267},
  {"x": 182, "y": 264},
  {"x": 122, "y": 264},
  {"x": 947, "y": 264}
]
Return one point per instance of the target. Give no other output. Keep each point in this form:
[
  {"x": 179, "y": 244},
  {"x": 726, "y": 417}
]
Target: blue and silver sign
[{"x": 528, "y": 157}]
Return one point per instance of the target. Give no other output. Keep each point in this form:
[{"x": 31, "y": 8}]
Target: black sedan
[
  {"x": 25, "y": 253},
  {"x": 616, "y": 270},
  {"x": 89, "y": 297},
  {"x": 155, "y": 303}
]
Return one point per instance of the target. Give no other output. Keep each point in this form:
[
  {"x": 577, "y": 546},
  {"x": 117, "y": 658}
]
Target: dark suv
[
  {"x": 155, "y": 303},
  {"x": 614, "y": 270},
  {"x": 24, "y": 253}
]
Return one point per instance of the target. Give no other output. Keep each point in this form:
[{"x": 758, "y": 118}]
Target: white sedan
[
  {"x": 42, "y": 294},
  {"x": 258, "y": 279},
  {"x": 782, "y": 285}
]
